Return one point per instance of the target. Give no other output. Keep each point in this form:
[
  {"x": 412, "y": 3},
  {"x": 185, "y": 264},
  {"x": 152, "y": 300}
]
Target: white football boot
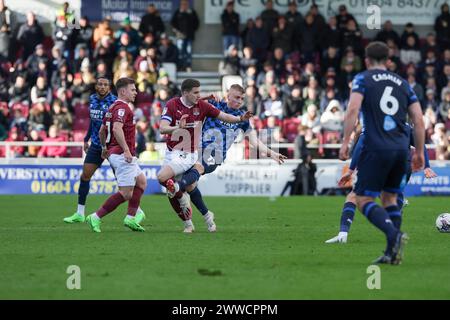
[
  {"x": 340, "y": 238},
  {"x": 209, "y": 220}
]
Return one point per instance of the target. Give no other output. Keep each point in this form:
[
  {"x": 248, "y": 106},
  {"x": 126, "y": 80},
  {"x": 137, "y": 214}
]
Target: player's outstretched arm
[
  {"x": 225, "y": 117},
  {"x": 120, "y": 138},
  {"x": 256, "y": 143},
  {"x": 415, "y": 113},
  {"x": 351, "y": 118}
]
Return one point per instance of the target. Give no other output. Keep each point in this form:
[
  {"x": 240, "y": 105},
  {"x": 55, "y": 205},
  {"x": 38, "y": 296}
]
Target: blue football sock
[
  {"x": 83, "y": 191},
  {"x": 348, "y": 212},
  {"x": 400, "y": 201},
  {"x": 189, "y": 177},
  {"x": 197, "y": 200},
  {"x": 380, "y": 218},
  {"x": 396, "y": 215}
]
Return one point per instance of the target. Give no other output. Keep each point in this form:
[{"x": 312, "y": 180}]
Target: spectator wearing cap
[
  {"x": 151, "y": 22},
  {"x": 442, "y": 27},
  {"x": 185, "y": 23},
  {"x": 230, "y": 26},
  {"x": 53, "y": 151},
  {"x": 409, "y": 31},
  {"x": 269, "y": 17},
  {"x": 7, "y": 28},
  {"x": 168, "y": 52},
  {"x": 32, "y": 63},
  {"x": 30, "y": 35},
  {"x": 131, "y": 41},
  {"x": 388, "y": 33},
  {"x": 343, "y": 17},
  {"x": 82, "y": 36},
  {"x": 282, "y": 36},
  {"x": 259, "y": 39}
]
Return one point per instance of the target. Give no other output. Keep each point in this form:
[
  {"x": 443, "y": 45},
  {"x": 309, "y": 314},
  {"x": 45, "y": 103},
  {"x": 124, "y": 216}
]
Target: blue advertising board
[
  {"x": 64, "y": 179},
  {"x": 420, "y": 186},
  {"x": 120, "y": 9}
]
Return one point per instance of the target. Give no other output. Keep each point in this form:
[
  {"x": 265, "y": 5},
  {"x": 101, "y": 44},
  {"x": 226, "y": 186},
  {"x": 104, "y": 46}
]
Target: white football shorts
[{"x": 126, "y": 173}]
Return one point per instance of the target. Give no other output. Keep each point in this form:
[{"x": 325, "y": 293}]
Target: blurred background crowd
[{"x": 297, "y": 70}]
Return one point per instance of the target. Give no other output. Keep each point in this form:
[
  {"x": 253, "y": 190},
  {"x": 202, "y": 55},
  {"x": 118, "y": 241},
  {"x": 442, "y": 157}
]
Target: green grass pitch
[{"x": 263, "y": 250}]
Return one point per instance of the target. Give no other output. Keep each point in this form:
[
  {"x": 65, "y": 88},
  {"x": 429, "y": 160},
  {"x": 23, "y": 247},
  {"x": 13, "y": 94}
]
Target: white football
[{"x": 443, "y": 222}]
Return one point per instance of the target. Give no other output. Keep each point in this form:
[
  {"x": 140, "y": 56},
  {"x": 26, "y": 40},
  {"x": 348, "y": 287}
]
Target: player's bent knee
[{"x": 127, "y": 195}]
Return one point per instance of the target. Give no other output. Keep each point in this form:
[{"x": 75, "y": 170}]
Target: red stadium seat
[
  {"x": 22, "y": 107},
  {"x": 78, "y": 135},
  {"x": 290, "y": 128},
  {"x": 146, "y": 108},
  {"x": 74, "y": 152},
  {"x": 81, "y": 124},
  {"x": 81, "y": 111}
]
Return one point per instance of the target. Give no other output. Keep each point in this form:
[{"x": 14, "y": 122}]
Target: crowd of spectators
[{"x": 297, "y": 70}]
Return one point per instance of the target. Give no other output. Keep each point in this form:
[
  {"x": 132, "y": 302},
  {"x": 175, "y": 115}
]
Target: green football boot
[
  {"x": 75, "y": 218},
  {"x": 132, "y": 224},
  {"x": 94, "y": 223}
]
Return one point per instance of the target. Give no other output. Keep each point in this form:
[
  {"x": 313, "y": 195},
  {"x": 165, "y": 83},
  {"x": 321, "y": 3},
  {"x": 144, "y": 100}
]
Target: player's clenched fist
[
  {"x": 246, "y": 116},
  {"x": 183, "y": 120}
]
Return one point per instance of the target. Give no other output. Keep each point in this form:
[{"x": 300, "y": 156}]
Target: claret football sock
[{"x": 110, "y": 204}]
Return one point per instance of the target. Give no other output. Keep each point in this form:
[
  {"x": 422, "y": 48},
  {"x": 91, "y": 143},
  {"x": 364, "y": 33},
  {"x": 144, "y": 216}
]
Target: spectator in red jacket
[{"x": 53, "y": 151}]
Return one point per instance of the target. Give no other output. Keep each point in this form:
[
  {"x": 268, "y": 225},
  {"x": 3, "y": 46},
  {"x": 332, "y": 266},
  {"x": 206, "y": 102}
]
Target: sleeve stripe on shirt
[{"x": 166, "y": 118}]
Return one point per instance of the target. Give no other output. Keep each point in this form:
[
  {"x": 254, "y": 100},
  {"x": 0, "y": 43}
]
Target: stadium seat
[
  {"x": 81, "y": 111},
  {"x": 22, "y": 107},
  {"x": 74, "y": 152},
  {"x": 290, "y": 128},
  {"x": 171, "y": 69},
  {"x": 81, "y": 124},
  {"x": 78, "y": 135},
  {"x": 146, "y": 108},
  {"x": 228, "y": 81}
]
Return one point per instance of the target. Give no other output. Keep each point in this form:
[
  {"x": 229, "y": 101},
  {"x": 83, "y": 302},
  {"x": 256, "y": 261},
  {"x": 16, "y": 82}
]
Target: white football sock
[{"x": 80, "y": 209}]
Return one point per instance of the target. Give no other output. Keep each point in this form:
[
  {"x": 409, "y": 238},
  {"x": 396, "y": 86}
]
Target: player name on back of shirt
[{"x": 386, "y": 76}]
